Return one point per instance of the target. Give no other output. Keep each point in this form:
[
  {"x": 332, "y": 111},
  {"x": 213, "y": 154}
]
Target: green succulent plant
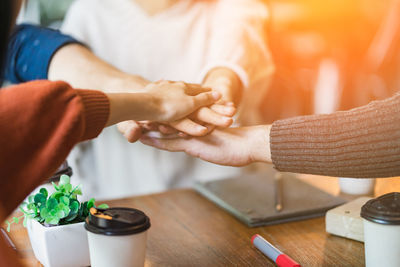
[{"x": 60, "y": 208}]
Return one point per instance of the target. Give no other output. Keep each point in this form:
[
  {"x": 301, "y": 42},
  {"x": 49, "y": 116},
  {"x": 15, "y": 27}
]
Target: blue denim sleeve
[{"x": 30, "y": 51}]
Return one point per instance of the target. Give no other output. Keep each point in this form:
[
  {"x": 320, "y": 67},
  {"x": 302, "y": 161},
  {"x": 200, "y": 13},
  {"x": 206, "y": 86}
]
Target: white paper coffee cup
[
  {"x": 381, "y": 218},
  {"x": 117, "y": 237},
  {"x": 357, "y": 186}
]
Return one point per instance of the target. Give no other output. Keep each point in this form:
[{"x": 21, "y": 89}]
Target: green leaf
[
  {"x": 31, "y": 206},
  {"x": 82, "y": 210},
  {"x": 44, "y": 212},
  {"x": 51, "y": 203},
  {"x": 8, "y": 227},
  {"x": 103, "y": 206},
  {"x": 53, "y": 212},
  {"x": 64, "y": 179},
  {"x": 35, "y": 211},
  {"x": 67, "y": 188},
  {"x": 55, "y": 186},
  {"x": 64, "y": 200},
  {"x": 61, "y": 214},
  {"x": 57, "y": 195},
  {"x": 40, "y": 198},
  {"x": 52, "y": 220},
  {"x": 61, "y": 207},
  {"x": 77, "y": 190},
  {"x": 71, "y": 217},
  {"x": 22, "y": 210},
  {"x": 64, "y": 208},
  {"x": 90, "y": 203},
  {"x": 44, "y": 192},
  {"x": 31, "y": 209},
  {"x": 74, "y": 206}
]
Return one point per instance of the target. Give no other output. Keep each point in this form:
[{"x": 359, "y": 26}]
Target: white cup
[
  {"x": 357, "y": 186},
  {"x": 117, "y": 237},
  {"x": 381, "y": 218},
  {"x": 129, "y": 250}
]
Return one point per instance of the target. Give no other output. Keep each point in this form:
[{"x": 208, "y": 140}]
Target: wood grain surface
[{"x": 188, "y": 230}]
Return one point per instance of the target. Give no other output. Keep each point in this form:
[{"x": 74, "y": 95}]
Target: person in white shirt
[{"x": 218, "y": 43}]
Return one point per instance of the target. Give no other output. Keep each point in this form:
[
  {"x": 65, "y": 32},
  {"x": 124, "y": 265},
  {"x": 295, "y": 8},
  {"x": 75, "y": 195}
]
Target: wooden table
[{"x": 188, "y": 230}]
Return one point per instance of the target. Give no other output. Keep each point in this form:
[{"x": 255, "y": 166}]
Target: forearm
[
  {"x": 225, "y": 81},
  {"x": 363, "y": 142},
  {"x": 78, "y": 66},
  {"x": 134, "y": 106}
]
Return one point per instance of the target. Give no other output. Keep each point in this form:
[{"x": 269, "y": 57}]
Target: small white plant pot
[{"x": 59, "y": 246}]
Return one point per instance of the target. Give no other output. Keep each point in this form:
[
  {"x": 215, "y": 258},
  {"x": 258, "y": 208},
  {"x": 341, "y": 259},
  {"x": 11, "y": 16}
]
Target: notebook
[{"x": 251, "y": 198}]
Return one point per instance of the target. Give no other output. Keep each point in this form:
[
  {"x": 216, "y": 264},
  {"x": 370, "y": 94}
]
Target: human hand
[
  {"x": 176, "y": 100},
  {"x": 224, "y": 81},
  {"x": 231, "y": 147},
  {"x": 201, "y": 122},
  {"x": 198, "y": 123},
  {"x": 204, "y": 120},
  {"x": 213, "y": 116}
]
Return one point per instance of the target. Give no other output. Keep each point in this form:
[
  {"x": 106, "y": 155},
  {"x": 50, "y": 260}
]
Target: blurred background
[
  {"x": 329, "y": 55},
  {"x": 332, "y": 55}
]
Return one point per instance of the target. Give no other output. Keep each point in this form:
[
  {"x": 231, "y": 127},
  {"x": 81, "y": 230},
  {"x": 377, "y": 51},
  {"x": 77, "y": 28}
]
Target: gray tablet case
[{"x": 251, "y": 198}]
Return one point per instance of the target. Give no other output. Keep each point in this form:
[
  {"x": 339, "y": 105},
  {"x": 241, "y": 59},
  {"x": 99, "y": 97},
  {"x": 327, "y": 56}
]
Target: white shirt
[{"x": 182, "y": 43}]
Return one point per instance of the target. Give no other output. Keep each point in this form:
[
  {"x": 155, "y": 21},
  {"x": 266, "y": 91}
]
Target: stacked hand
[
  {"x": 188, "y": 111},
  {"x": 179, "y": 114}
]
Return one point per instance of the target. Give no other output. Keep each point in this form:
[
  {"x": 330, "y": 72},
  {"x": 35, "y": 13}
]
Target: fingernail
[
  {"x": 200, "y": 128},
  {"x": 227, "y": 120},
  {"x": 216, "y": 95}
]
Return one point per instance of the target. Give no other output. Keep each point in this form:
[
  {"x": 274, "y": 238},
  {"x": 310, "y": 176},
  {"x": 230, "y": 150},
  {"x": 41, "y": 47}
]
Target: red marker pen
[{"x": 273, "y": 253}]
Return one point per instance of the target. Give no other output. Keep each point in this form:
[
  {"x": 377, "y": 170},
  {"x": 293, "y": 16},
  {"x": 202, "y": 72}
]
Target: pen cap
[
  {"x": 285, "y": 261},
  {"x": 117, "y": 221},
  {"x": 383, "y": 210}
]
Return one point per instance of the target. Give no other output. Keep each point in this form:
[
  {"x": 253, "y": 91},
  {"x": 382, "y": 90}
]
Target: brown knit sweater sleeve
[
  {"x": 362, "y": 142},
  {"x": 40, "y": 122}
]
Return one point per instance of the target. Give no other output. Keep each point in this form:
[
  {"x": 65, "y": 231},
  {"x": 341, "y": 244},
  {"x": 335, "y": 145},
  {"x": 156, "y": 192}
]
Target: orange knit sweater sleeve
[{"x": 40, "y": 122}]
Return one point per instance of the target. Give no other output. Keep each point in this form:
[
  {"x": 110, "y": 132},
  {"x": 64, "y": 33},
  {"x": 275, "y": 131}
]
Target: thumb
[
  {"x": 131, "y": 130},
  {"x": 206, "y": 99}
]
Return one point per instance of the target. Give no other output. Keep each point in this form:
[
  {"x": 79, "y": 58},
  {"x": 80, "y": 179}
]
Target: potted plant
[{"x": 55, "y": 224}]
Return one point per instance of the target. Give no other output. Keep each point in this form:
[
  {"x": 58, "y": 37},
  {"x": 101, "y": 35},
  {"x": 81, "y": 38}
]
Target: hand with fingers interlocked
[{"x": 202, "y": 121}]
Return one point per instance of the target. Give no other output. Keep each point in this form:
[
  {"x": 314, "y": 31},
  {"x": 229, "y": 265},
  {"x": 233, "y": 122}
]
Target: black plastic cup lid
[
  {"x": 383, "y": 210},
  {"x": 117, "y": 221}
]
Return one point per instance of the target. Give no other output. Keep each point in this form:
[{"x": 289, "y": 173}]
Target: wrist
[
  {"x": 132, "y": 106},
  {"x": 260, "y": 144}
]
